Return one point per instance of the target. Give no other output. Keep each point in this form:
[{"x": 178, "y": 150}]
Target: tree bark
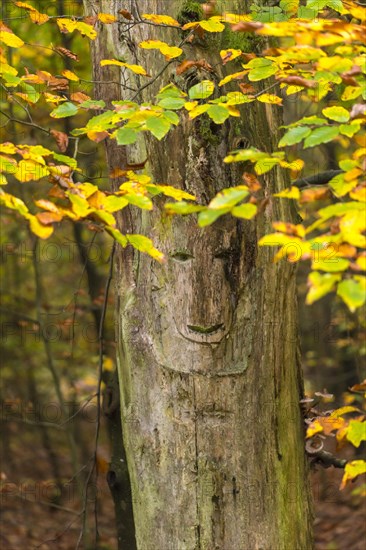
[{"x": 207, "y": 343}]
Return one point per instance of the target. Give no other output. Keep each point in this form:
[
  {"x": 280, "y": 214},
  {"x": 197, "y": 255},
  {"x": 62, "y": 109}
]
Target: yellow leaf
[
  {"x": 29, "y": 170},
  {"x": 108, "y": 364},
  {"x": 25, "y": 6},
  {"x": 8, "y": 148},
  {"x": 52, "y": 98},
  {"x": 233, "y": 76},
  {"x": 137, "y": 69},
  {"x": 170, "y": 52},
  {"x": 213, "y": 24},
  {"x": 42, "y": 231},
  {"x": 270, "y": 98},
  {"x": 69, "y": 25},
  {"x": 161, "y": 19},
  {"x": 352, "y": 470},
  {"x": 70, "y": 75},
  {"x": 10, "y": 39},
  {"x": 230, "y": 54},
  {"x": 107, "y": 18},
  {"x": 351, "y": 92},
  {"x": 38, "y": 18},
  {"x": 292, "y": 193}
]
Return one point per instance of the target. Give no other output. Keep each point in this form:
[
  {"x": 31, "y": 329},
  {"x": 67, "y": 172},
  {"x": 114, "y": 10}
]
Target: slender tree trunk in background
[{"x": 207, "y": 343}]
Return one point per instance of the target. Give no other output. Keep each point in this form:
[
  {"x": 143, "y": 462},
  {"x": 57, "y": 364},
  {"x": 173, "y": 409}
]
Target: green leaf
[
  {"x": 228, "y": 198},
  {"x": 121, "y": 239},
  {"x": 80, "y": 205},
  {"x": 244, "y": 155},
  {"x": 173, "y": 103},
  {"x": 172, "y": 117},
  {"x": 92, "y": 104},
  {"x": 294, "y": 135},
  {"x": 125, "y": 136},
  {"x": 202, "y": 90},
  {"x": 158, "y": 126},
  {"x": 114, "y": 203},
  {"x": 66, "y": 160},
  {"x": 265, "y": 165},
  {"x": 183, "y": 208},
  {"x": 339, "y": 209},
  {"x": 352, "y": 293},
  {"x": 337, "y": 113},
  {"x": 64, "y": 110},
  {"x": 350, "y": 130},
  {"x": 307, "y": 121},
  {"x": 339, "y": 186},
  {"x": 218, "y": 113},
  {"x": 321, "y": 135},
  {"x": 171, "y": 91},
  {"x": 320, "y": 4},
  {"x": 334, "y": 265},
  {"x": 102, "y": 122},
  {"x": 144, "y": 244},
  {"x": 260, "y": 68},
  {"x": 207, "y": 217},
  {"x": 320, "y": 285},
  {"x": 139, "y": 200},
  {"x": 245, "y": 211},
  {"x": 356, "y": 432}
]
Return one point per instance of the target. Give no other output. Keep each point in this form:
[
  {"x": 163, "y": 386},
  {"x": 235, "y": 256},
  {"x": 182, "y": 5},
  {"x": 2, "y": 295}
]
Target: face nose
[{"x": 205, "y": 330}]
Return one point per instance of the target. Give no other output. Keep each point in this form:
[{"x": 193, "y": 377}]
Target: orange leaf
[
  {"x": 48, "y": 218},
  {"x": 126, "y": 14},
  {"x": 79, "y": 97}
]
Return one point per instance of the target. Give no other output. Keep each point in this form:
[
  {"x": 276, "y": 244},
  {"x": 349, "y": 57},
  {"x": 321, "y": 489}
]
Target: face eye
[
  {"x": 223, "y": 254},
  {"x": 182, "y": 256}
]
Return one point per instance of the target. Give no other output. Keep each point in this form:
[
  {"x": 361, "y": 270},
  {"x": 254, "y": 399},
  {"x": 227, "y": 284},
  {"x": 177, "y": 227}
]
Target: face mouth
[
  {"x": 204, "y": 335},
  {"x": 205, "y": 330}
]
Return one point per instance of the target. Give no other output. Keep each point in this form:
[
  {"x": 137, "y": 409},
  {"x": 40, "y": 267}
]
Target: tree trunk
[{"x": 207, "y": 342}]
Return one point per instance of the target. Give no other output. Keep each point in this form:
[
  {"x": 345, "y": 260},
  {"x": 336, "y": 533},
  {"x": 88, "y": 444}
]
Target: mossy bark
[{"x": 208, "y": 365}]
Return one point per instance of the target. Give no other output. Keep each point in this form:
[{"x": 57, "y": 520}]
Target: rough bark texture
[{"x": 207, "y": 343}]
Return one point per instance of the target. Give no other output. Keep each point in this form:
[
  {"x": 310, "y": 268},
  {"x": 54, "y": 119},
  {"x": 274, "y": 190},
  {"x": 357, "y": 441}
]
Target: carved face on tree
[{"x": 195, "y": 295}]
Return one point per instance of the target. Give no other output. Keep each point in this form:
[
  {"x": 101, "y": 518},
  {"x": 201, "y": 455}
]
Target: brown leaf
[
  {"x": 247, "y": 26},
  {"x": 247, "y": 88},
  {"x": 299, "y": 81},
  {"x": 61, "y": 139},
  {"x": 209, "y": 8},
  {"x": 67, "y": 53},
  {"x": 137, "y": 166},
  {"x": 187, "y": 64},
  {"x": 126, "y": 14},
  {"x": 91, "y": 20},
  {"x": 354, "y": 71}
]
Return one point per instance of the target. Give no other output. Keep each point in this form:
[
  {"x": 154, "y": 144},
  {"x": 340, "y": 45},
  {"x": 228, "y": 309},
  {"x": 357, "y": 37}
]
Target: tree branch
[{"x": 317, "y": 179}]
